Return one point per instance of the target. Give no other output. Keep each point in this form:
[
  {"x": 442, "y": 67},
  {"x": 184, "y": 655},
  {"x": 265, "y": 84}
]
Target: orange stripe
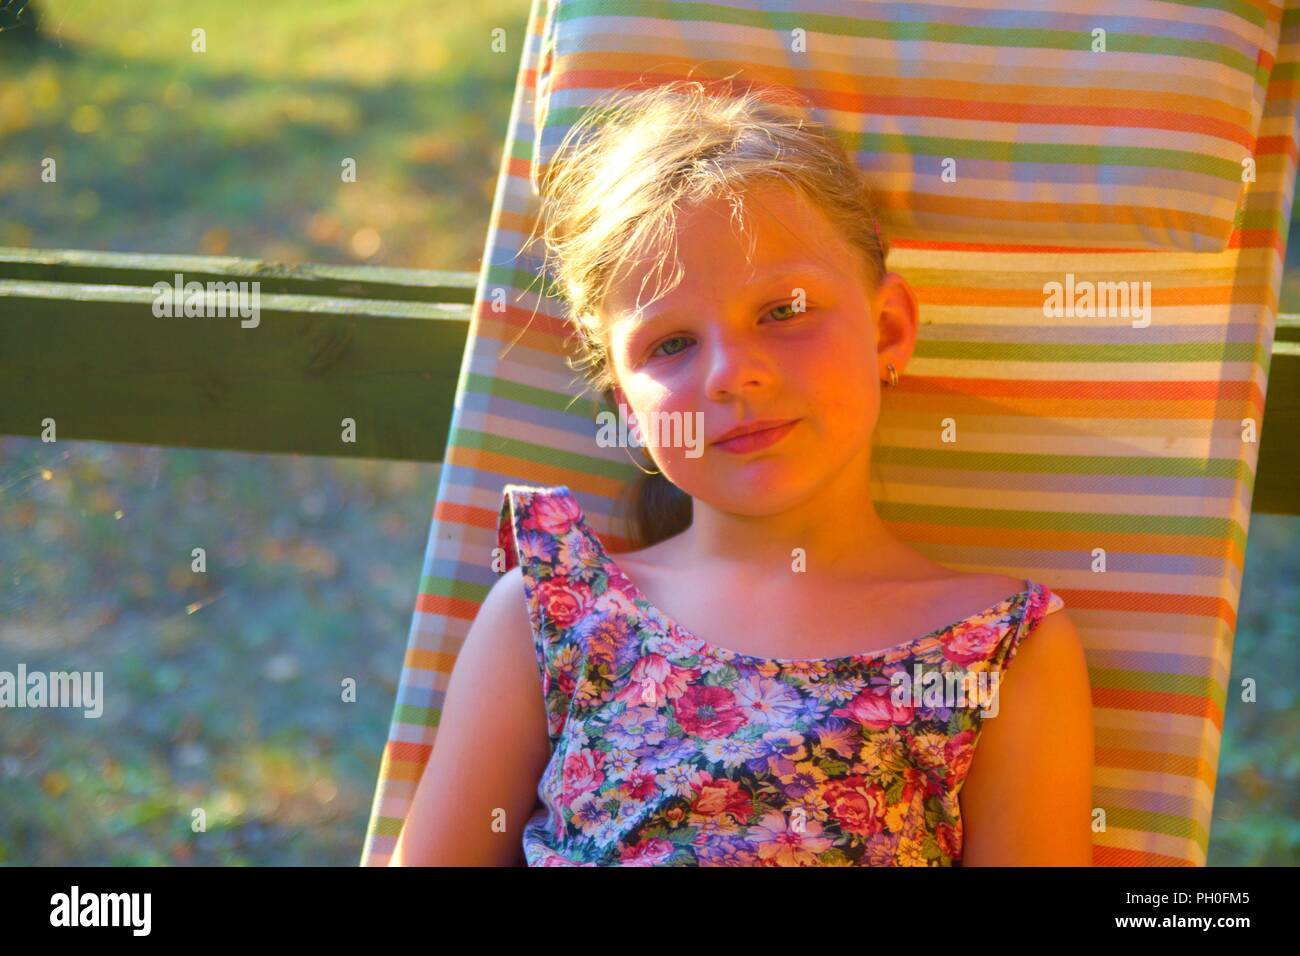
[
  {"x": 454, "y": 512},
  {"x": 1260, "y": 239},
  {"x": 410, "y": 772},
  {"x": 403, "y": 751},
  {"x": 1155, "y": 702},
  {"x": 539, "y": 473},
  {"x": 1146, "y": 602},
  {"x": 522, "y": 328},
  {"x": 447, "y": 606},
  {"x": 1191, "y": 767},
  {"x": 1275, "y": 145},
  {"x": 434, "y": 661},
  {"x": 1117, "y": 856}
]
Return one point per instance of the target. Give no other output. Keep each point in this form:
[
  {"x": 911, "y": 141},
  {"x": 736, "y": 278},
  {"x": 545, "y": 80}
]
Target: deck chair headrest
[{"x": 1122, "y": 123}]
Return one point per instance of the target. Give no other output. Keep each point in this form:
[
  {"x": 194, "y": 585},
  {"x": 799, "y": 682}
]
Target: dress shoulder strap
[
  {"x": 542, "y": 530},
  {"x": 1039, "y": 602},
  {"x": 534, "y": 521}
]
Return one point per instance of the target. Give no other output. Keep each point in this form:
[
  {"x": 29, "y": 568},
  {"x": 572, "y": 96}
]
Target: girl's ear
[{"x": 619, "y": 398}]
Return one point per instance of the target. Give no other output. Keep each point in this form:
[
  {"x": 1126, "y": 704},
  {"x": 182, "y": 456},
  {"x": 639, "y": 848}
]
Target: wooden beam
[
  {"x": 1277, "y": 475},
  {"x": 86, "y": 267},
  {"x": 96, "y": 360}
]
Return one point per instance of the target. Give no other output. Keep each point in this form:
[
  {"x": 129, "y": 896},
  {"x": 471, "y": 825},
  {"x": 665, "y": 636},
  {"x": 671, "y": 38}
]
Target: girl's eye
[
  {"x": 675, "y": 338},
  {"x": 666, "y": 343}
]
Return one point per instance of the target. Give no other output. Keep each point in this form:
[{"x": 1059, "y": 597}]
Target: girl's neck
[{"x": 837, "y": 527}]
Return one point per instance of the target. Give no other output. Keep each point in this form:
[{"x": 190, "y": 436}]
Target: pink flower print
[
  {"x": 949, "y": 839},
  {"x": 915, "y": 782},
  {"x": 708, "y": 712},
  {"x": 874, "y": 709},
  {"x": 654, "y": 681},
  {"x": 972, "y": 642},
  {"x": 556, "y": 860},
  {"x": 582, "y": 774},
  {"x": 959, "y": 752},
  {"x": 554, "y": 514},
  {"x": 651, "y": 851},
  {"x": 780, "y": 844},
  {"x": 565, "y": 601},
  {"x": 720, "y": 798},
  {"x": 640, "y": 786},
  {"x": 857, "y": 804}
]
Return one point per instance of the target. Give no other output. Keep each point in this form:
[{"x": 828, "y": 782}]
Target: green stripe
[
  {"x": 584, "y": 408},
  {"x": 1236, "y": 7},
  {"x": 422, "y": 716},
  {"x": 454, "y": 588},
  {"x": 1063, "y": 154},
  {"x": 388, "y": 826},
  {"x": 1155, "y": 353},
  {"x": 1270, "y": 220},
  {"x": 899, "y": 31},
  {"x": 1288, "y": 69},
  {"x": 522, "y": 280},
  {"x": 1192, "y": 685},
  {"x": 1102, "y": 522},
  {"x": 1123, "y": 818}
]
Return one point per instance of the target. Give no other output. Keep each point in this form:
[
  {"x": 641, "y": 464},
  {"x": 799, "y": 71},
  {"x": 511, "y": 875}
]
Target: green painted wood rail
[{"x": 79, "y": 343}]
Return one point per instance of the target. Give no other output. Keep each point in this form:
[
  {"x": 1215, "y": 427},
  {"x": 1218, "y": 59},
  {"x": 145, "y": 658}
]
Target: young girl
[{"x": 747, "y": 687}]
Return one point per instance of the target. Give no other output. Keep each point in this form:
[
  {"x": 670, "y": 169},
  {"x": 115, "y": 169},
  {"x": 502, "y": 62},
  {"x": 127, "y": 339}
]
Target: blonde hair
[{"x": 622, "y": 173}]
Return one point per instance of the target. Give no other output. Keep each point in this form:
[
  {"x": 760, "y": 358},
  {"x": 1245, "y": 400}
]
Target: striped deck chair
[{"x": 1077, "y": 437}]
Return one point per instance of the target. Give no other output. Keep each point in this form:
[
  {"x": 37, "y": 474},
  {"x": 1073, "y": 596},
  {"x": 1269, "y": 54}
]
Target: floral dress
[{"x": 670, "y": 751}]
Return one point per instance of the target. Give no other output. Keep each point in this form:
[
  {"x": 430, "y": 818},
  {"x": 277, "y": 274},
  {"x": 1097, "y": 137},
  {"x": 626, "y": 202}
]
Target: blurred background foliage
[{"x": 226, "y": 685}]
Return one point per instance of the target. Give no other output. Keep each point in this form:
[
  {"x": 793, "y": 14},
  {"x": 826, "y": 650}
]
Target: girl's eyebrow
[{"x": 785, "y": 270}]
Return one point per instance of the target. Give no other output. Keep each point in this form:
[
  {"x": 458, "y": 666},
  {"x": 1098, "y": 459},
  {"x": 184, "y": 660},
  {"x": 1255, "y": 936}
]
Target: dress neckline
[{"x": 675, "y": 630}]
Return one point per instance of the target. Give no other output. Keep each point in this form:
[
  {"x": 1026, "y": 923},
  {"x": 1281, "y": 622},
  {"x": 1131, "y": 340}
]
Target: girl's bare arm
[
  {"x": 491, "y": 746},
  {"x": 1027, "y": 799}
]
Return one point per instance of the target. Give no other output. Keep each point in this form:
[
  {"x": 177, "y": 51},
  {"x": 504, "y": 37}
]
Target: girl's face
[{"x": 796, "y": 334}]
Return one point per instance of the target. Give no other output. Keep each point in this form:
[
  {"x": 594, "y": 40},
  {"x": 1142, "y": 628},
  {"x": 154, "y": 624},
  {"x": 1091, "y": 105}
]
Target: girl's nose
[{"x": 735, "y": 364}]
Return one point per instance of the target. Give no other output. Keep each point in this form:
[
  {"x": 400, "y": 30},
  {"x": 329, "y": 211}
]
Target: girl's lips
[{"x": 743, "y": 444}]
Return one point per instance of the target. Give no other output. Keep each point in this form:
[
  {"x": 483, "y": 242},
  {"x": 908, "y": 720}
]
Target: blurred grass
[
  {"x": 238, "y": 150},
  {"x": 313, "y": 564},
  {"x": 223, "y": 689}
]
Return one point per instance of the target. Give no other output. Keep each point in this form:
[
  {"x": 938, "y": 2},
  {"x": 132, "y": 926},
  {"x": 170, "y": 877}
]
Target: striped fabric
[
  {"x": 1076, "y": 437},
  {"x": 1042, "y": 135}
]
